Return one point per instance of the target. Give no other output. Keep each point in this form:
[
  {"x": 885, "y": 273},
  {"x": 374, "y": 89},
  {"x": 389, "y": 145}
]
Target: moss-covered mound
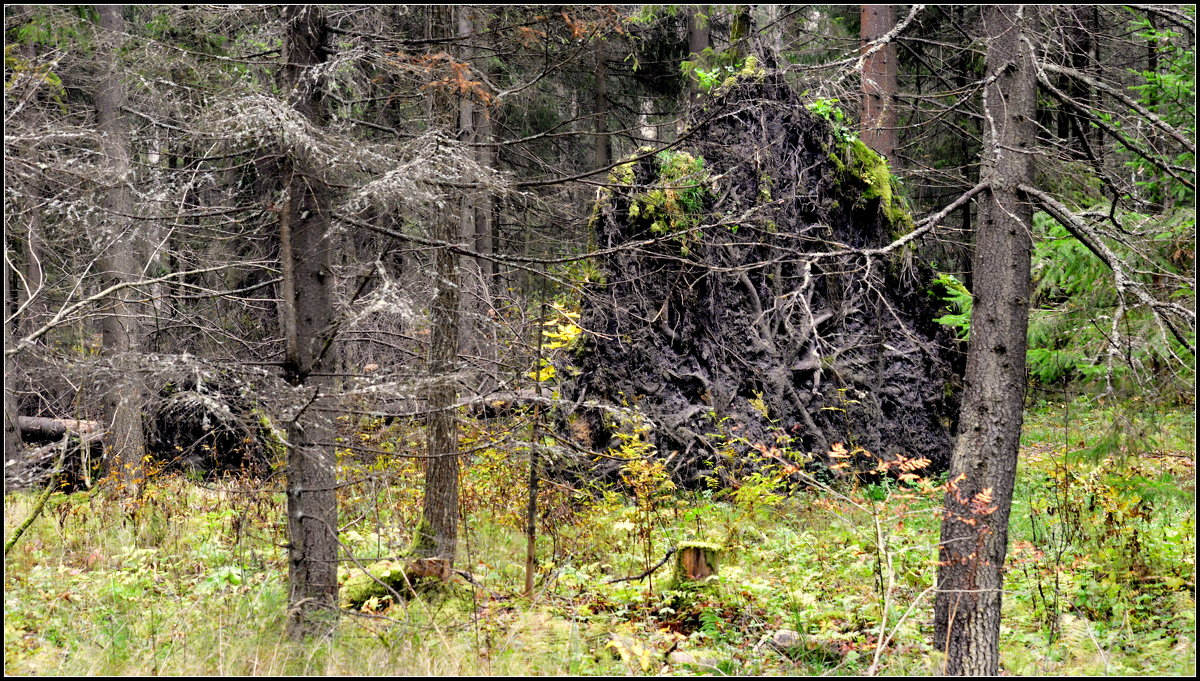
[{"x": 754, "y": 316}]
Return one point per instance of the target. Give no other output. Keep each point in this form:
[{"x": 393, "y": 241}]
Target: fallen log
[
  {"x": 502, "y": 404},
  {"x": 75, "y": 462},
  {"x": 39, "y": 430}
]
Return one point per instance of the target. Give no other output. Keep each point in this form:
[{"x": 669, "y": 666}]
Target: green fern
[{"x": 957, "y": 301}]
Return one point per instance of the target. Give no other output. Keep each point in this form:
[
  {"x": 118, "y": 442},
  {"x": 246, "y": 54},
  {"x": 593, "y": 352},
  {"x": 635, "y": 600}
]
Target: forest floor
[{"x": 190, "y": 579}]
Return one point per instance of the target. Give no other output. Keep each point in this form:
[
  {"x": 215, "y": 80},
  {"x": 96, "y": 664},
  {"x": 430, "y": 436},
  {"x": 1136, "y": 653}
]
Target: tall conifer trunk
[
  {"x": 699, "y": 38},
  {"x": 879, "y": 81},
  {"x": 120, "y": 328},
  {"x": 307, "y": 308},
  {"x": 12, "y": 433},
  {"x": 983, "y": 466},
  {"x": 437, "y": 535}
]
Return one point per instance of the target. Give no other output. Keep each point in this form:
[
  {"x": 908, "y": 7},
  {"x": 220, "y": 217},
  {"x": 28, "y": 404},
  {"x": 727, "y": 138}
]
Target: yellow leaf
[{"x": 544, "y": 374}]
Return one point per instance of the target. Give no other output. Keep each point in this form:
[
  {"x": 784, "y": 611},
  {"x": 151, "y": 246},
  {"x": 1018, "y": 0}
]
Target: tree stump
[
  {"x": 387, "y": 578},
  {"x": 696, "y": 561},
  {"x": 428, "y": 569}
]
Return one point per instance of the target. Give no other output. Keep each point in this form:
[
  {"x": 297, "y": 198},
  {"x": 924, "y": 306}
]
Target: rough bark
[
  {"x": 699, "y": 38},
  {"x": 879, "y": 81},
  {"x": 983, "y": 466},
  {"x": 601, "y": 144},
  {"x": 437, "y": 535},
  {"x": 306, "y": 251},
  {"x": 695, "y": 562},
  {"x": 12, "y": 438},
  {"x": 125, "y": 398},
  {"x": 1077, "y": 41},
  {"x": 468, "y": 116},
  {"x": 31, "y": 294},
  {"x": 739, "y": 32},
  {"x": 475, "y": 128},
  {"x": 531, "y": 504}
]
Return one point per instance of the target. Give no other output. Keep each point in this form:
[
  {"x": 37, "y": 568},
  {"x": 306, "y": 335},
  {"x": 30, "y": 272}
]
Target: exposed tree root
[{"x": 763, "y": 317}]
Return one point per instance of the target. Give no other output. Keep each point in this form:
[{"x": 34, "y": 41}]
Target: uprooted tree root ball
[
  {"x": 206, "y": 425},
  {"x": 738, "y": 308},
  {"x": 198, "y": 422}
]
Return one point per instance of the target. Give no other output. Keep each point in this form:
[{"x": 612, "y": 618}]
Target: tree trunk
[
  {"x": 772, "y": 31},
  {"x": 969, "y": 132},
  {"x": 699, "y": 38},
  {"x": 12, "y": 438},
  {"x": 879, "y": 81},
  {"x": 121, "y": 326},
  {"x": 739, "y": 33},
  {"x": 475, "y": 127},
  {"x": 1077, "y": 34},
  {"x": 33, "y": 245},
  {"x": 437, "y": 534},
  {"x": 601, "y": 146},
  {"x": 983, "y": 466},
  {"x": 307, "y": 306},
  {"x": 34, "y": 248}
]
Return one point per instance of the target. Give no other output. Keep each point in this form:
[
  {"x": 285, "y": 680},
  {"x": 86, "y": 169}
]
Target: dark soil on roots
[{"x": 739, "y": 312}]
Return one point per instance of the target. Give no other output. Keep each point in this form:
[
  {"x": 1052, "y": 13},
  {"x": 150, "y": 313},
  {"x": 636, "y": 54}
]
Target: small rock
[
  {"x": 680, "y": 657},
  {"x": 785, "y": 638},
  {"x": 781, "y": 640},
  {"x": 700, "y": 658}
]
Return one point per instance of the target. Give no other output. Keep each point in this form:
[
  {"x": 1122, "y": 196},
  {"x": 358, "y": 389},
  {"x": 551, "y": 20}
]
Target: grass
[{"x": 191, "y": 579}]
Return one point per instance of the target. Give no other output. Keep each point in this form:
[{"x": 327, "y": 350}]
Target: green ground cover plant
[{"x": 815, "y": 577}]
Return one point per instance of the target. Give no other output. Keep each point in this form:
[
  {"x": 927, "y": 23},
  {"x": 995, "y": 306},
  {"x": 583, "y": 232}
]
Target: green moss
[
  {"x": 716, "y": 72},
  {"x": 361, "y": 587},
  {"x": 862, "y": 166},
  {"x": 274, "y": 439},
  {"x": 765, "y": 183},
  {"x": 677, "y": 202},
  {"x": 751, "y": 68},
  {"x": 424, "y": 543},
  {"x": 712, "y": 554},
  {"x": 622, "y": 174}
]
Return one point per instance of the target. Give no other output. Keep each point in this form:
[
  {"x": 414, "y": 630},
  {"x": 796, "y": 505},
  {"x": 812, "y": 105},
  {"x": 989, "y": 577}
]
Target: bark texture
[
  {"x": 437, "y": 535},
  {"x": 307, "y": 306},
  {"x": 475, "y": 127},
  {"x": 601, "y": 144},
  {"x": 699, "y": 38},
  {"x": 12, "y": 435},
  {"x": 120, "y": 327},
  {"x": 983, "y": 466},
  {"x": 879, "y": 81}
]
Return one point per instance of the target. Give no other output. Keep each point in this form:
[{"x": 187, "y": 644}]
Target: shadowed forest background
[{"x": 746, "y": 339}]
